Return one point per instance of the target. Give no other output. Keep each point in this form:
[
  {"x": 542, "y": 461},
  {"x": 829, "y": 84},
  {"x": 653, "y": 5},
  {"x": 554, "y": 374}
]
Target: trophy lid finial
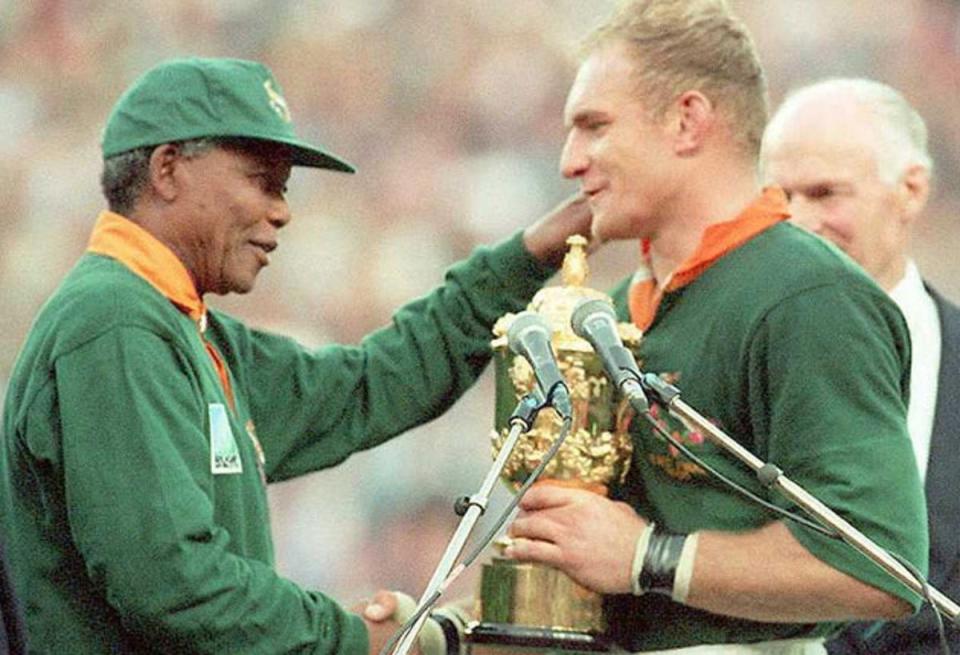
[
  {"x": 575, "y": 268},
  {"x": 556, "y": 303}
]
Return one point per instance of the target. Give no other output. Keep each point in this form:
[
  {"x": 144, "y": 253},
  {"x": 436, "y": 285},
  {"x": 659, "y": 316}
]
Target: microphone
[
  {"x": 529, "y": 337},
  {"x": 594, "y": 320}
]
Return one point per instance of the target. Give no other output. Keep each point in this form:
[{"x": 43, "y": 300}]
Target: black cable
[
  {"x": 405, "y": 628},
  {"x": 485, "y": 541},
  {"x": 921, "y": 580},
  {"x": 534, "y": 475},
  {"x": 927, "y": 596},
  {"x": 512, "y": 505},
  {"x": 736, "y": 487}
]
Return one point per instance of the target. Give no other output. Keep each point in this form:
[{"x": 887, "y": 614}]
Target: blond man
[{"x": 779, "y": 339}]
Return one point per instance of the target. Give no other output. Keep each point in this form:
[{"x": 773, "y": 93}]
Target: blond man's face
[{"x": 618, "y": 154}]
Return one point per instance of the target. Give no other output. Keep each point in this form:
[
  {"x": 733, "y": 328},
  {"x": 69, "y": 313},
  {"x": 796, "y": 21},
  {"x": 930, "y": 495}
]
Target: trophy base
[
  {"x": 532, "y": 595},
  {"x": 525, "y": 605},
  {"x": 491, "y": 637}
]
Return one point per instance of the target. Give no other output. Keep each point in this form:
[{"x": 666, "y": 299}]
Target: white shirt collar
[{"x": 909, "y": 293}]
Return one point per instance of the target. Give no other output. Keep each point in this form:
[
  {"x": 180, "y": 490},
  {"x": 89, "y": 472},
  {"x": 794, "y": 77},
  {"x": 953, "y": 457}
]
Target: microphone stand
[
  {"x": 470, "y": 508},
  {"x": 770, "y": 476}
]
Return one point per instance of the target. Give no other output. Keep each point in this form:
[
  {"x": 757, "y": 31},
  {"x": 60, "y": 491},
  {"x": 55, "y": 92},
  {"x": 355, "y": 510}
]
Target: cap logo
[{"x": 277, "y": 102}]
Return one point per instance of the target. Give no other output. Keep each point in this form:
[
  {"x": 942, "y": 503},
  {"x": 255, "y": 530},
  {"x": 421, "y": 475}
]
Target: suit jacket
[{"x": 917, "y": 635}]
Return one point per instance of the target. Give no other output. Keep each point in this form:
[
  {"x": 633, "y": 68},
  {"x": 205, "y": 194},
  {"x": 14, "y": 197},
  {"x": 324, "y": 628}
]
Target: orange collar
[
  {"x": 120, "y": 238},
  {"x": 718, "y": 240}
]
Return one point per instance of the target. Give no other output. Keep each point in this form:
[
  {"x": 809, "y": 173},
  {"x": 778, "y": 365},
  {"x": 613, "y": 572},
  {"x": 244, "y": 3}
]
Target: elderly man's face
[
  {"x": 235, "y": 202},
  {"x": 825, "y": 158},
  {"x": 620, "y": 156}
]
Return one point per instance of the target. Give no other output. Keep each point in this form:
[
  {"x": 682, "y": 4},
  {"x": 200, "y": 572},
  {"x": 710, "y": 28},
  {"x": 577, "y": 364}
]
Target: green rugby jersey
[{"x": 790, "y": 348}]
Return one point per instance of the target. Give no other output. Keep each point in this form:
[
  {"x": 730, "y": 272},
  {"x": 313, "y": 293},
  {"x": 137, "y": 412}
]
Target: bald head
[
  {"x": 856, "y": 110},
  {"x": 852, "y": 156}
]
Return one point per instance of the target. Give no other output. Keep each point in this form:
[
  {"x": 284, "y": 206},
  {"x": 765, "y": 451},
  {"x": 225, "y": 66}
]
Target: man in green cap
[{"x": 140, "y": 427}]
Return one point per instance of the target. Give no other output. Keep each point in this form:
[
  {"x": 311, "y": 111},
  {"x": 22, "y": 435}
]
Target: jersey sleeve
[{"x": 828, "y": 373}]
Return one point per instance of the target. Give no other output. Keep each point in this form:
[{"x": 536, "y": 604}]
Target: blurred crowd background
[{"x": 451, "y": 110}]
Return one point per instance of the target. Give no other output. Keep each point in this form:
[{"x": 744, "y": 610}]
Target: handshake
[{"x": 389, "y": 610}]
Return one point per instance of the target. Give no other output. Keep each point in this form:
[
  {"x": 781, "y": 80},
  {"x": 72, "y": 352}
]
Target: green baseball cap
[{"x": 195, "y": 98}]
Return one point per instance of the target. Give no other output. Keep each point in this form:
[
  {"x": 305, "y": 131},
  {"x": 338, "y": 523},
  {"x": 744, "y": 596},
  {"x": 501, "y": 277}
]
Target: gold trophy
[{"x": 535, "y": 605}]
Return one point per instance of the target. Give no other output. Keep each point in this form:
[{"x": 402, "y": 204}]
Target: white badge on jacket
[{"x": 224, "y": 453}]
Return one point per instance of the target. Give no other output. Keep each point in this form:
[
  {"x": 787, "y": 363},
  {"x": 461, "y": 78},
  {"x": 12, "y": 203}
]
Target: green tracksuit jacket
[{"x": 133, "y": 495}]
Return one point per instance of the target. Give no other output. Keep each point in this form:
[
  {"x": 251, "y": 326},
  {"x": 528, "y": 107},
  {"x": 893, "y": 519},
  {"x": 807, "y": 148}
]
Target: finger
[
  {"x": 385, "y": 598},
  {"x": 538, "y": 527},
  {"x": 376, "y": 612},
  {"x": 596, "y": 240},
  {"x": 527, "y": 550},
  {"x": 545, "y": 496},
  {"x": 575, "y": 199},
  {"x": 579, "y": 200},
  {"x": 382, "y": 607}
]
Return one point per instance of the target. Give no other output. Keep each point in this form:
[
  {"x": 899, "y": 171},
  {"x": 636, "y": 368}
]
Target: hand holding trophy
[{"x": 526, "y": 604}]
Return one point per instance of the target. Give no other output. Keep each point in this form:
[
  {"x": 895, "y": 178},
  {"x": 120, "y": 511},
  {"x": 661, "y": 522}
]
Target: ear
[
  {"x": 914, "y": 190},
  {"x": 163, "y": 165},
  {"x": 694, "y": 118}
]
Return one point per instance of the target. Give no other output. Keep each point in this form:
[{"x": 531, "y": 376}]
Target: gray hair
[
  {"x": 901, "y": 132},
  {"x": 125, "y": 176}
]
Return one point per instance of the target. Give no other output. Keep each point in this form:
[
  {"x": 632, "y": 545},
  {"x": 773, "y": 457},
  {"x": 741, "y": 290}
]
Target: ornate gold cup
[{"x": 525, "y": 604}]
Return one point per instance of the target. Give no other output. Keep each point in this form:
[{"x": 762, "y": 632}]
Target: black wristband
[
  {"x": 450, "y": 633},
  {"x": 660, "y": 562}
]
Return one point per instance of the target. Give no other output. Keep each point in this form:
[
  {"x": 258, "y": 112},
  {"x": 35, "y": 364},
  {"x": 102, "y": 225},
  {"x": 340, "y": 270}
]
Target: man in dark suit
[{"x": 852, "y": 156}]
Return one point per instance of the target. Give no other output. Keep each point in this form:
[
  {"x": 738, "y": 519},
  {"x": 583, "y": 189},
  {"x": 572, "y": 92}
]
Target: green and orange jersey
[
  {"x": 645, "y": 292},
  {"x": 140, "y": 427},
  {"x": 782, "y": 341},
  {"x": 123, "y": 240}
]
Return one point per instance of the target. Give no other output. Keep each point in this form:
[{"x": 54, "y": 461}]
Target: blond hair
[{"x": 682, "y": 45}]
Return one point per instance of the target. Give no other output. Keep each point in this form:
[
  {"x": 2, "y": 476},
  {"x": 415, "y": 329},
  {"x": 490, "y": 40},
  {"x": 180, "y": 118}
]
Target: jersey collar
[{"x": 120, "y": 238}]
